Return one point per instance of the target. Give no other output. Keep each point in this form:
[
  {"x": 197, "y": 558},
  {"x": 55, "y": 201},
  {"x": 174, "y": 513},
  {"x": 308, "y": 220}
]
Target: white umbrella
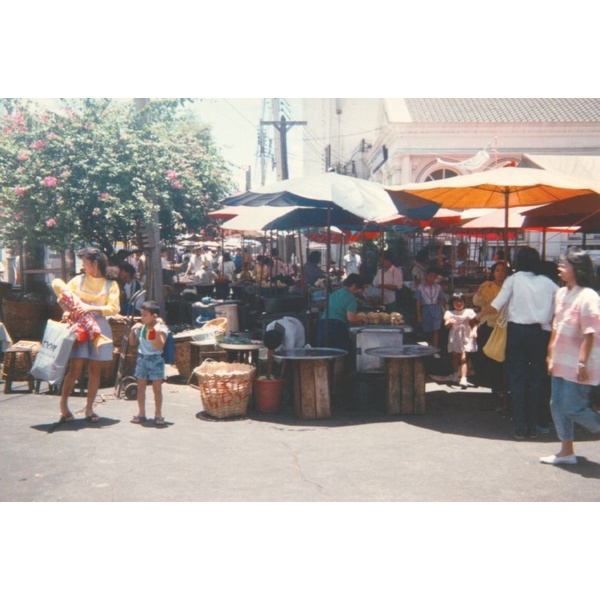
[{"x": 364, "y": 199}]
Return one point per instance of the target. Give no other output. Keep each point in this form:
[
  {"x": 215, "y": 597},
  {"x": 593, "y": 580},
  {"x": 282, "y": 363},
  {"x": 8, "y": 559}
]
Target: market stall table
[
  {"x": 242, "y": 353},
  {"x": 405, "y": 370},
  {"x": 312, "y": 381}
]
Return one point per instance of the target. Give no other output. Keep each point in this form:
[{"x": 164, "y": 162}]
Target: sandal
[
  {"x": 93, "y": 418},
  {"x": 68, "y": 418},
  {"x": 159, "y": 421},
  {"x": 138, "y": 420}
]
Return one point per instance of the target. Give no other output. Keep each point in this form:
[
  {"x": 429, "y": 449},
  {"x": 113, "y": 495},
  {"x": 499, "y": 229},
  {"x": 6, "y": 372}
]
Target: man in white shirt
[
  {"x": 351, "y": 262},
  {"x": 196, "y": 264},
  {"x": 286, "y": 333},
  {"x": 528, "y": 301},
  {"x": 387, "y": 282}
]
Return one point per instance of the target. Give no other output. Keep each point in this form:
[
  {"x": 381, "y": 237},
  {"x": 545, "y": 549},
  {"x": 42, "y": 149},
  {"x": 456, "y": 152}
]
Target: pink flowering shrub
[{"x": 50, "y": 181}]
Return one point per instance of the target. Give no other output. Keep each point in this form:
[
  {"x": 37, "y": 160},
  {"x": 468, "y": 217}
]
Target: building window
[{"x": 440, "y": 174}]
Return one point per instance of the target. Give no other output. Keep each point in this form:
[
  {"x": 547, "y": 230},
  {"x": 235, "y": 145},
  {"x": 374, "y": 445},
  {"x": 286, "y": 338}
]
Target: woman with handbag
[
  {"x": 490, "y": 373},
  {"x": 99, "y": 297},
  {"x": 529, "y": 301},
  {"x": 574, "y": 354}
]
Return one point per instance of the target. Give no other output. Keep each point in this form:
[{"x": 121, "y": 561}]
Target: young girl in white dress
[{"x": 462, "y": 337}]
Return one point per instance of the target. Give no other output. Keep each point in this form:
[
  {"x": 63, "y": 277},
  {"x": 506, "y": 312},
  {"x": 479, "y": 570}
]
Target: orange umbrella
[{"x": 499, "y": 188}]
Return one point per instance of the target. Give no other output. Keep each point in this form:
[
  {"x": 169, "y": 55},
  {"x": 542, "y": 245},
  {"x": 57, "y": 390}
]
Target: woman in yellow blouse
[
  {"x": 490, "y": 373},
  {"x": 100, "y": 297}
]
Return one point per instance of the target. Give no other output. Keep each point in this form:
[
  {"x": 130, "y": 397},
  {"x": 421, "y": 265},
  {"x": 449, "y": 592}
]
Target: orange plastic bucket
[{"x": 267, "y": 394}]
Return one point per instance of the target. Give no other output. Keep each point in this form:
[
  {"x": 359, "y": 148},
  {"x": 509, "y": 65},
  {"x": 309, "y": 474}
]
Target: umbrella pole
[
  {"x": 381, "y": 244},
  {"x": 544, "y": 244},
  {"x": 328, "y": 266},
  {"x": 453, "y": 261},
  {"x": 506, "y": 225},
  {"x": 301, "y": 261}
]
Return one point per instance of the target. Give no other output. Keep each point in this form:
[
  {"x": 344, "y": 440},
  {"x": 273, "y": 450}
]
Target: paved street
[{"x": 461, "y": 450}]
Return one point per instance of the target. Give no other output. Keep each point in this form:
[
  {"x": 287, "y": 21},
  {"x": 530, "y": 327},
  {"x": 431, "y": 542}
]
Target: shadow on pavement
[
  {"x": 585, "y": 468},
  {"x": 76, "y": 425}
]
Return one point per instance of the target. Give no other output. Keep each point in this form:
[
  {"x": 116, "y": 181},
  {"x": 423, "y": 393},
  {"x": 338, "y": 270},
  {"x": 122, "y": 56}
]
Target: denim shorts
[{"x": 150, "y": 367}]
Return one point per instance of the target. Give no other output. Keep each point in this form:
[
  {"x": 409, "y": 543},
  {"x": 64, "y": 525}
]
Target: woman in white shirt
[{"x": 228, "y": 268}]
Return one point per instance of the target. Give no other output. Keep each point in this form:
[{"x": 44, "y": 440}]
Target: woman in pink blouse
[{"x": 574, "y": 353}]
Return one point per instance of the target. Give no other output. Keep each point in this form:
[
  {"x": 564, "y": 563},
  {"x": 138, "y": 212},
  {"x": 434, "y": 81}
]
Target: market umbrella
[
  {"x": 444, "y": 217},
  {"x": 499, "y": 188},
  {"x": 517, "y": 220},
  {"x": 364, "y": 199},
  {"x": 582, "y": 212},
  {"x": 282, "y": 218}
]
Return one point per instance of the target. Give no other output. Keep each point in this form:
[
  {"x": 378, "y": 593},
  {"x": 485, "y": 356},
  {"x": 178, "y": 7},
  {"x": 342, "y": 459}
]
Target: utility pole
[
  {"x": 151, "y": 243},
  {"x": 248, "y": 179},
  {"x": 283, "y": 126}
]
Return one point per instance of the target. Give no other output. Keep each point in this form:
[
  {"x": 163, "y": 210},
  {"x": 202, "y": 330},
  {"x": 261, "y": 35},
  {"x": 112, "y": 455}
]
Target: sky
[{"x": 235, "y": 123}]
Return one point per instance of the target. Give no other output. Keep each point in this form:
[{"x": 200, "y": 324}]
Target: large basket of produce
[{"x": 225, "y": 388}]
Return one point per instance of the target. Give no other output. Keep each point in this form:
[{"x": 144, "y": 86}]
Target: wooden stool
[{"x": 18, "y": 360}]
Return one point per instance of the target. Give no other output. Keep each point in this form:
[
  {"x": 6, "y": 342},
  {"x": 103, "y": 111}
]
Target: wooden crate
[
  {"x": 312, "y": 398},
  {"x": 405, "y": 386}
]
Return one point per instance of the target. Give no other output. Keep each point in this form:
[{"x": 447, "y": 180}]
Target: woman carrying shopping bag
[{"x": 100, "y": 298}]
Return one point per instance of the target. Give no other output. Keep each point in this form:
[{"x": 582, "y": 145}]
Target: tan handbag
[{"x": 495, "y": 347}]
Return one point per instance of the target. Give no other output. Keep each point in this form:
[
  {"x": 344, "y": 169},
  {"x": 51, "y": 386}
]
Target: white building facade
[{"x": 405, "y": 140}]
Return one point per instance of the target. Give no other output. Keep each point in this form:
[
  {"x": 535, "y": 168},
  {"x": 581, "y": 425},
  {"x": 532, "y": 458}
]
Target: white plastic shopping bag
[{"x": 53, "y": 357}]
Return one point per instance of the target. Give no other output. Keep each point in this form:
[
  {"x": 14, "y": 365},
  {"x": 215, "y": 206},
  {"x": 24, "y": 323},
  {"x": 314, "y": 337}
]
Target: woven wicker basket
[
  {"x": 182, "y": 357},
  {"x": 20, "y": 367},
  {"x": 219, "y": 324},
  {"x": 24, "y": 320},
  {"x": 118, "y": 327},
  {"x": 225, "y": 388}
]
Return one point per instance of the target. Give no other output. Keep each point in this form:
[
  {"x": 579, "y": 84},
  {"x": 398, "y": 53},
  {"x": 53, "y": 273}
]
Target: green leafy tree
[{"x": 95, "y": 171}]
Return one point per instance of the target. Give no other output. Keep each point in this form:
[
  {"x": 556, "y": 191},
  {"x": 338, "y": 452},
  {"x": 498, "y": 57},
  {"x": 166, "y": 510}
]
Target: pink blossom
[
  {"x": 38, "y": 145},
  {"x": 20, "y": 191},
  {"x": 51, "y": 136},
  {"x": 177, "y": 184},
  {"x": 18, "y": 216},
  {"x": 171, "y": 174},
  {"x": 23, "y": 155},
  {"x": 104, "y": 195},
  {"x": 50, "y": 181},
  {"x": 51, "y": 222}
]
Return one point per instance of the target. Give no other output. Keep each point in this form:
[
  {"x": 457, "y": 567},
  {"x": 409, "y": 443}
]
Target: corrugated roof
[{"x": 503, "y": 110}]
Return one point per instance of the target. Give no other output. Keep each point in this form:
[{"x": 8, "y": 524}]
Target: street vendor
[
  {"x": 286, "y": 333},
  {"x": 311, "y": 270},
  {"x": 333, "y": 329},
  {"x": 387, "y": 282}
]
